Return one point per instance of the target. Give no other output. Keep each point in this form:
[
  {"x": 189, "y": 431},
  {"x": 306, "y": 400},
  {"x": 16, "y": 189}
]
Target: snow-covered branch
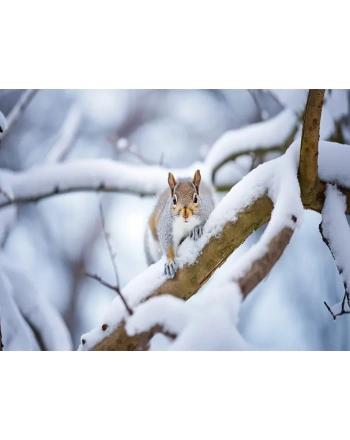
[
  {"x": 246, "y": 207},
  {"x": 275, "y": 134},
  {"x": 335, "y": 232},
  {"x": 83, "y": 175}
]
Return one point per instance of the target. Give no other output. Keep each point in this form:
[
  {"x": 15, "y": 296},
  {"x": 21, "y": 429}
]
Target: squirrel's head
[{"x": 185, "y": 200}]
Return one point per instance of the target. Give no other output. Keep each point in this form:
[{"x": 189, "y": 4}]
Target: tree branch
[
  {"x": 308, "y": 163},
  {"x": 262, "y": 266},
  {"x": 191, "y": 277},
  {"x": 102, "y": 175}
]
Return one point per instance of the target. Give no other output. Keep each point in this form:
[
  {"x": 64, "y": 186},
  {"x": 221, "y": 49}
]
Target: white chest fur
[{"x": 182, "y": 229}]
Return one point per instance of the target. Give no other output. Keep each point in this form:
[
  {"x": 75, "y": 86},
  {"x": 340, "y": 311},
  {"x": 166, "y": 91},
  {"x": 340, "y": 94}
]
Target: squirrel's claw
[
  {"x": 196, "y": 233},
  {"x": 170, "y": 268}
]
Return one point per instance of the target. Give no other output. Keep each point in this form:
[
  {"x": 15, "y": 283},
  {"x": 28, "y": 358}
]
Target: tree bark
[{"x": 308, "y": 163}]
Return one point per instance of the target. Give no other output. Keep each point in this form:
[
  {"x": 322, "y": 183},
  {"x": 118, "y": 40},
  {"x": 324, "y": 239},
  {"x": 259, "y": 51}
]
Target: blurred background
[{"x": 58, "y": 238}]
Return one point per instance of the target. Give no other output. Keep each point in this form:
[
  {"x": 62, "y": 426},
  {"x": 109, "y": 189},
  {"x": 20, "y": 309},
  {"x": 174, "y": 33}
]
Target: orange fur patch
[
  {"x": 153, "y": 221},
  {"x": 171, "y": 254}
]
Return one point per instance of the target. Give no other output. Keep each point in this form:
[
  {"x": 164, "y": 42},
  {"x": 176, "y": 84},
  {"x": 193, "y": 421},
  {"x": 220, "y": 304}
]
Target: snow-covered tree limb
[
  {"x": 335, "y": 233},
  {"x": 109, "y": 176},
  {"x": 248, "y": 205},
  {"x": 275, "y": 134},
  {"x": 308, "y": 165},
  {"x": 84, "y": 175},
  {"x": 272, "y": 186}
]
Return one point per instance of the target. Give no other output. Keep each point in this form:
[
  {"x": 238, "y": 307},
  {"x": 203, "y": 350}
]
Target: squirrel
[{"x": 180, "y": 212}]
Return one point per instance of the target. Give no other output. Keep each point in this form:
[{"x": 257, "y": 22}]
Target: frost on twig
[
  {"x": 335, "y": 233},
  {"x": 112, "y": 254}
]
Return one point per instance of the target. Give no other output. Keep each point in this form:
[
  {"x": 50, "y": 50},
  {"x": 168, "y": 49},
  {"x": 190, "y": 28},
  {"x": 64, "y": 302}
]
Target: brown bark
[{"x": 308, "y": 163}]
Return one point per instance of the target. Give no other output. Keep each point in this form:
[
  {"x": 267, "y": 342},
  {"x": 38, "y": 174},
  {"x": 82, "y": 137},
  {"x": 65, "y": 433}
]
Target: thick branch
[
  {"x": 103, "y": 175},
  {"x": 308, "y": 163},
  {"x": 262, "y": 266},
  {"x": 192, "y": 277}
]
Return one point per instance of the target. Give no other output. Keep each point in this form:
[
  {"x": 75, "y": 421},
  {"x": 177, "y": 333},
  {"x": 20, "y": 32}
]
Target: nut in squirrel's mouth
[{"x": 186, "y": 214}]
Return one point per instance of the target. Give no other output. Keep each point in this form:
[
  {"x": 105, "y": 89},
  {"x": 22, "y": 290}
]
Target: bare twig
[
  {"x": 112, "y": 255},
  {"x": 7, "y": 197},
  {"x": 67, "y": 137},
  {"x": 257, "y": 104},
  {"x": 132, "y": 149},
  {"x": 20, "y": 106},
  {"x": 346, "y": 298}
]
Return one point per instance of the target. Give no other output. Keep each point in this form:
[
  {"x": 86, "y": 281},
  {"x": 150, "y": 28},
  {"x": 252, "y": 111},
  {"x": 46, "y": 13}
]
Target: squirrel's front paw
[
  {"x": 196, "y": 233},
  {"x": 170, "y": 268}
]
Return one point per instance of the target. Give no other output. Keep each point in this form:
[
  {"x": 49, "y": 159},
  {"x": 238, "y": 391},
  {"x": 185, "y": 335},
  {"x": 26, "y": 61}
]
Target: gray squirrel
[{"x": 180, "y": 212}]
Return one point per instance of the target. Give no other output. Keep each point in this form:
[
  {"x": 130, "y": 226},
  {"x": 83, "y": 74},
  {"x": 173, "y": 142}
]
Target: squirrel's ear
[
  {"x": 172, "y": 182},
  {"x": 197, "y": 180}
]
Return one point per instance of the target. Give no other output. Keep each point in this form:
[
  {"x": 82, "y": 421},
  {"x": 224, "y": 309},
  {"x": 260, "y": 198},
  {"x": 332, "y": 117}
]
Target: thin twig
[
  {"x": 110, "y": 249},
  {"x": 114, "y": 141},
  {"x": 20, "y": 106},
  {"x": 110, "y": 286},
  {"x": 346, "y": 297},
  {"x": 112, "y": 254},
  {"x": 67, "y": 137}
]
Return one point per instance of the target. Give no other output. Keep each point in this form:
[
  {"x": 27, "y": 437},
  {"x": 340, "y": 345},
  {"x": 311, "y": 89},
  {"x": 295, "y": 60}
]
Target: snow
[
  {"x": 16, "y": 334},
  {"x": 7, "y": 216},
  {"x": 260, "y": 136},
  {"x": 35, "y": 309},
  {"x": 3, "y": 124},
  {"x": 83, "y": 175},
  {"x": 213, "y": 326},
  {"x": 166, "y": 310},
  {"x": 336, "y": 229},
  {"x": 277, "y": 177},
  {"x": 5, "y": 187},
  {"x": 333, "y": 163}
]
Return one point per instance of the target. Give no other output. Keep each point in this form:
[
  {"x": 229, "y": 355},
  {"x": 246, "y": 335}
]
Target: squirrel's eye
[
  {"x": 174, "y": 200},
  {"x": 195, "y": 198}
]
